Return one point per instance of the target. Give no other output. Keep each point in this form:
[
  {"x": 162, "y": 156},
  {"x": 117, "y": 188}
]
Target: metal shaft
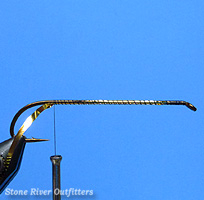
[
  {"x": 49, "y": 103},
  {"x": 56, "y": 159}
]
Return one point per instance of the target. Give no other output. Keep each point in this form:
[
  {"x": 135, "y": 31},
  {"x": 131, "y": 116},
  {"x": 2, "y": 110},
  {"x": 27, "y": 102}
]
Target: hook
[
  {"x": 49, "y": 103},
  {"x": 12, "y": 150},
  {"x": 29, "y": 121}
]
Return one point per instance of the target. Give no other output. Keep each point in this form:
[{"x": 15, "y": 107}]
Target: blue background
[{"x": 107, "y": 50}]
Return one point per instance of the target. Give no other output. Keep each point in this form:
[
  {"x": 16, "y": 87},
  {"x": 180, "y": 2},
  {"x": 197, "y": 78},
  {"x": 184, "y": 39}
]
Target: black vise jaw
[{"x": 10, "y": 166}]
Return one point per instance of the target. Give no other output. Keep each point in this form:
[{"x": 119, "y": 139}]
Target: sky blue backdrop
[{"x": 107, "y": 50}]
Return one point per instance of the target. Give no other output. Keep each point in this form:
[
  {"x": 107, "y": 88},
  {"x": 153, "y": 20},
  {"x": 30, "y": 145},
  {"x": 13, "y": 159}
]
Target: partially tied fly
[{"x": 11, "y": 150}]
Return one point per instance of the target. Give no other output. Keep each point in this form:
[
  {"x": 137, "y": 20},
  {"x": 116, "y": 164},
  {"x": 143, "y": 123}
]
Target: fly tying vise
[{"x": 11, "y": 150}]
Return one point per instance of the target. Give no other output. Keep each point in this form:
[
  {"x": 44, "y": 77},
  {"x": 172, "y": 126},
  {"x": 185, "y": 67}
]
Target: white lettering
[
  {"x": 37, "y": 192},
  {"x": 91, "y": 192},
  {"x": 15, "y": 192},
  {"x": 7, "y": 191},
  {"x": 56, "y": 191}
]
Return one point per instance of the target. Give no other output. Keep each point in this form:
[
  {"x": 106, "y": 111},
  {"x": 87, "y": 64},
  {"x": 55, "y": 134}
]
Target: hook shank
[{"x": 49, "y": 103}]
